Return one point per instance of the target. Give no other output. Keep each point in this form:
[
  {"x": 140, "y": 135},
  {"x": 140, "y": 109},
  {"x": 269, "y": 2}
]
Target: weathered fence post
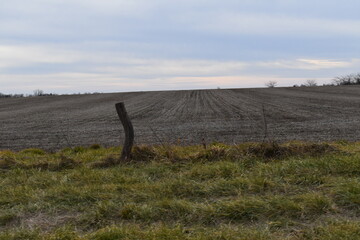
[{"x": 129, "y": 131}]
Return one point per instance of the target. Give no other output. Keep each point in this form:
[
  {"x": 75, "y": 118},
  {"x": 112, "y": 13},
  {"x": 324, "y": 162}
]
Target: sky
[{"x": 71, "y": 46}]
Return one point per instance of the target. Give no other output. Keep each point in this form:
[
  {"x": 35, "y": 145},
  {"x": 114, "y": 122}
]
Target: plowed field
[{"x": 183, "y": 117}]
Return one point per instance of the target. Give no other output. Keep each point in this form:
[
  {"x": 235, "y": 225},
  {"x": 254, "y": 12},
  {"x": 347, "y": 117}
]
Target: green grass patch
[{"x": 249, "y": 191}]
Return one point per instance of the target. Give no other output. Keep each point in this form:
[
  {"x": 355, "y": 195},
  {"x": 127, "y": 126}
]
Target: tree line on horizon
[
  {"x": 350, "y": 79},
  {"x": 38, "y": 93}
]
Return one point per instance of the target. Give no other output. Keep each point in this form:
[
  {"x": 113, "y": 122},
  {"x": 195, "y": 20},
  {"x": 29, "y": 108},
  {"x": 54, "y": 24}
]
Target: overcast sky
[{"x": 68, "y": 46}]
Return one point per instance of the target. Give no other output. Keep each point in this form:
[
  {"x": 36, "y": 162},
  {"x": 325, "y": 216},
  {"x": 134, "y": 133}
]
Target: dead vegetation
[
  {"x": 145, "y": 153},
  {"x": 213, "y": 153},
  {"x": 273, "y": 150},
  {"x": 109, "y": 161}
]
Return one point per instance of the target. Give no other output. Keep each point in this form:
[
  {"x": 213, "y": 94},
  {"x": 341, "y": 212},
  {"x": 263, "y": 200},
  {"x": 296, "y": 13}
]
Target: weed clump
[
  {"x": 95, "y": 146},
  {"x": 40, "y": 166},
  {"x": 214, "y": 153},
  {"x": 266, "y": 150},
  {"x": 62, "y": 164},
  {"x": 65, "y": 163},
  {"x": 140, "y": 153},
  {"x": 78, "y": 149},
  {"x": 7, "y": 162},
  {"x": 7, "y": 219},
  {"x": 274, "y": 150},
  {"x": 313, "y": 149},
  {"x": 106, "y": 162},
  {"x": 143, "y": 153},
  {"x": 170, "y": 153},
  {"x": 242, "y": 210}
]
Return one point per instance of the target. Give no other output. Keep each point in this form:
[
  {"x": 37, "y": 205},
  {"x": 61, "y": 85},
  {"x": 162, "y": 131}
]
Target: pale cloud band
[{"x": 111, "y": 72}]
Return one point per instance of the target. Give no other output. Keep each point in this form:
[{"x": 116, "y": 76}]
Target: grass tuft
[
  {"x": 214, "y": 153},
  {"x": 7, "y": 218},
  {"x": 7, "y": 162},
  {"x": 95, "y": 146},
  {"x": 143, "y": 153},
  {"x": 109, "y": 161},
  {"x": 78, "y": 149},
  {"x": 65, "y": 163}
]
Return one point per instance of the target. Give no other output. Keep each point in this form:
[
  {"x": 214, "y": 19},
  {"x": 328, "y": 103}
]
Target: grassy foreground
[{"x": 249, "y": 191}]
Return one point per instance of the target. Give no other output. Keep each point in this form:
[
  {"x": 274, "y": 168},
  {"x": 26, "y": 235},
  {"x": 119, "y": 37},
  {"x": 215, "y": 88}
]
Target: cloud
[
  {"x": 143, "y": 20},
  {"x": 64, "y": 7},
  {"x": 70, "y": 19},
  {"x": 324, "y": 63},
  {"x": 118, "y": 71},
  {"x": 240, "y": 23},
  {"x": 27, "y": 55},
  {"x": 310, "y": 64},
  {"x": 122, "y": 63},
  {"x": 17, "y": 56},
  {"x": 170, "y": 67},
  {"x": 69, "y": 83}
]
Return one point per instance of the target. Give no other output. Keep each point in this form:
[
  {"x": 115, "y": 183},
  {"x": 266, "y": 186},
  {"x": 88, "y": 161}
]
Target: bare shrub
[
  {"x": 310, "y": 83},
  {"x": 350, "y": 79},
  {"x": 38, "y": 92},
  {"x": 271, "y": 84}
]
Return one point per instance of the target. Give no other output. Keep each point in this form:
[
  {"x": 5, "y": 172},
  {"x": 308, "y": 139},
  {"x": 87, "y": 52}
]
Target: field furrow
[{"x": 183, "y": 117}]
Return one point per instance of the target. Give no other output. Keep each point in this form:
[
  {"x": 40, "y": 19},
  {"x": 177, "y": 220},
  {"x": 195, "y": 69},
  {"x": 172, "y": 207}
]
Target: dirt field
[{"x": 183, "y": 117}]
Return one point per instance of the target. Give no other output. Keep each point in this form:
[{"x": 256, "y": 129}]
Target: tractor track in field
[{"x": 183, "y": 117}]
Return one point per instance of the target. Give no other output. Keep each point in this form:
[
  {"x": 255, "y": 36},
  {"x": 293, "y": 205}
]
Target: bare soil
[{"x": 183, "y": 117}]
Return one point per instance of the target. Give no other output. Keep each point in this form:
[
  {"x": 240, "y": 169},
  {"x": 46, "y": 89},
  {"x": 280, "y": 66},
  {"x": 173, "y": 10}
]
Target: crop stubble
[{"x": 183, "y": 117}]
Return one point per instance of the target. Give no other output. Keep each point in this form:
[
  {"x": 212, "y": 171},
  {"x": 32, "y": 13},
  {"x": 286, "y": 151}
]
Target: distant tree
[
  {"x": 271, "y": 84},
  {"x": 5, "y": 95},
  {"x": 310, "y": 83},
  {"x": 38, "y": 92},
  {"x": 350, "y": 79}
]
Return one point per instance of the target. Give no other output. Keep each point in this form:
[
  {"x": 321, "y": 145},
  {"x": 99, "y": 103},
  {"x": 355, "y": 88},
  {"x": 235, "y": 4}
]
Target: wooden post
[
  {"x": 204, "y": 143},
  {"x": 129, "y": 131}
]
